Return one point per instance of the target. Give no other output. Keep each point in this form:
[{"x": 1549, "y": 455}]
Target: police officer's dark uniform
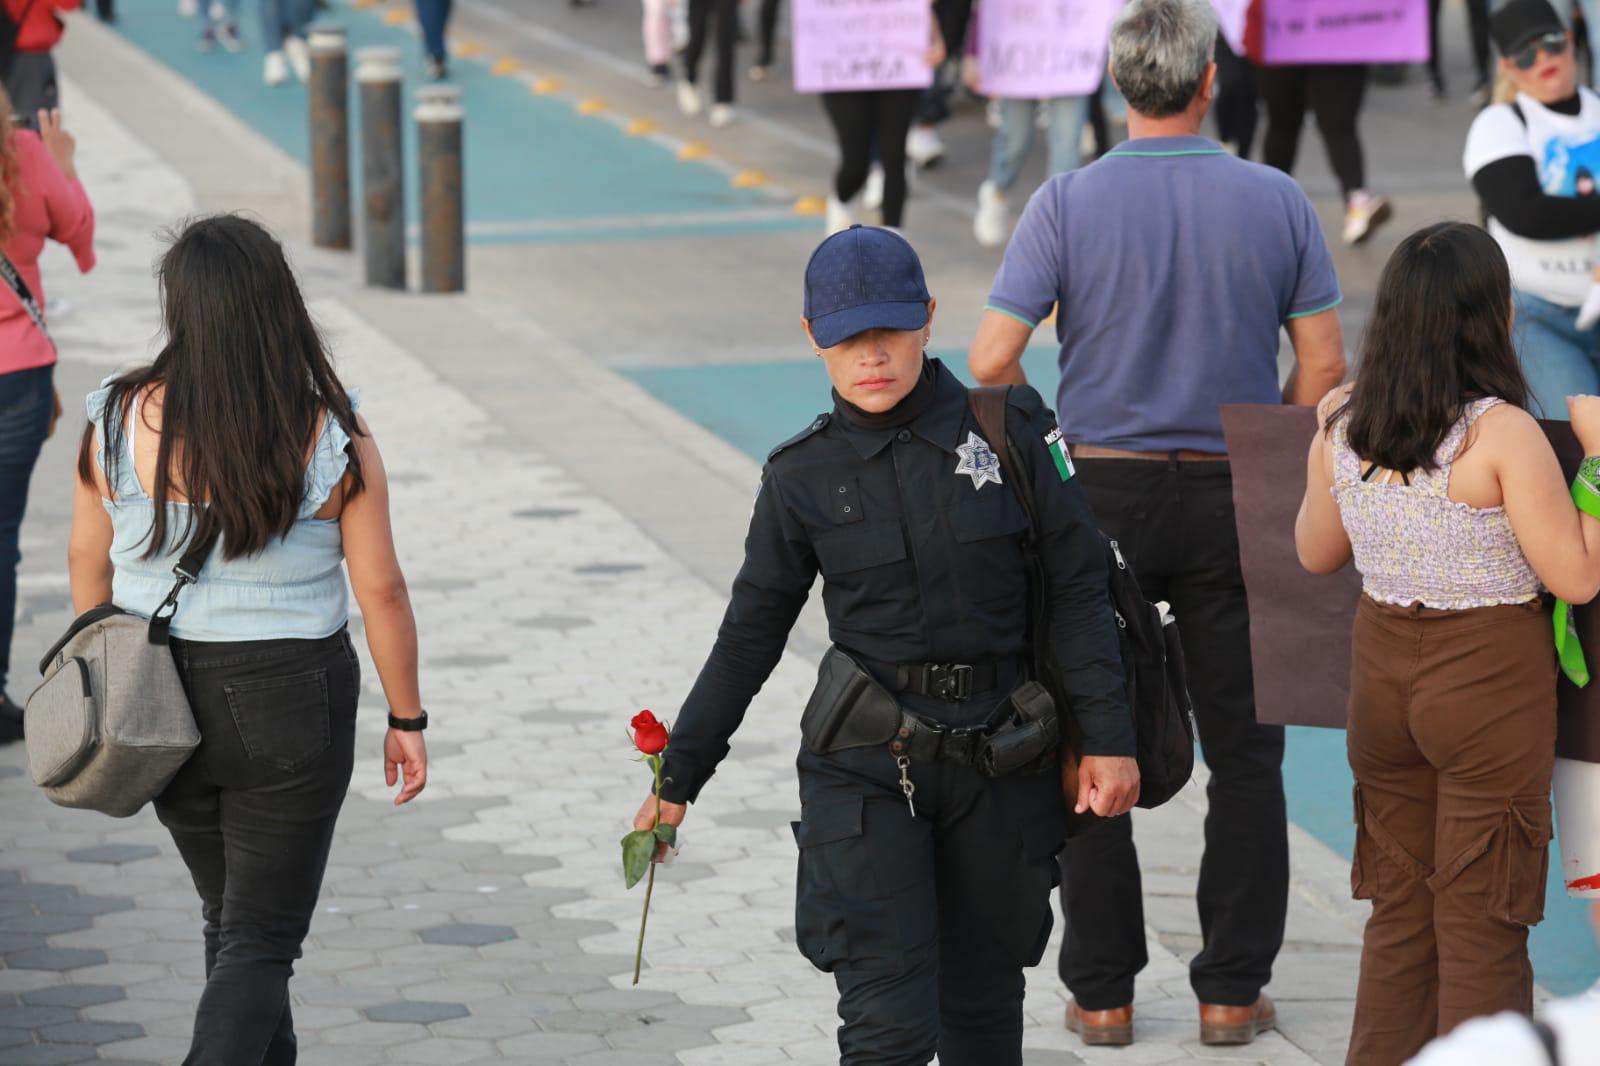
[{"x": 930, "y": 915}]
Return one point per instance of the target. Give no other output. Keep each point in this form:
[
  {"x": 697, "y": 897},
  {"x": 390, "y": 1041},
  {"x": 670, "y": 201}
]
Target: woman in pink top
[
  {"x": 1431, "y": 474},
  {"x": 40, "y": 198}
]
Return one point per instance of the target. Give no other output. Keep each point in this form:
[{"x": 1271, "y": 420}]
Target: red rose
[{"x": 649, "y": 735}]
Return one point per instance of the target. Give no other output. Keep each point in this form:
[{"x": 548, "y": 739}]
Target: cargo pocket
[
  {"x": 843, "y": 915},
  {"x": 1380, "y": 855},
  {"x": 282, "y": 721},
  {"x": 1517, "y": 894},
  {"x": 1363, "y": 870}
]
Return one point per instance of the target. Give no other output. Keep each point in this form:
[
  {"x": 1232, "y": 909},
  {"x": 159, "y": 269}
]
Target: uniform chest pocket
[
  {"x": 859, "y": 548},
  {"x": 989, "y": 513},
  {"x": 988, "y": 550}
]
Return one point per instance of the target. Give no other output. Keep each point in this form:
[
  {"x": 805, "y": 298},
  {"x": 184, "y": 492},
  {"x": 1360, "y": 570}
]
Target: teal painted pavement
[
  {"x": 536, "y": 170},
  {"x": 754, "y": 407}
]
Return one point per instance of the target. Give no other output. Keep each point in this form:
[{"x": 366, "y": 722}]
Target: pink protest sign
[
  {"x": 1230, "y": 20},
  {"x": 1036, "y": 49},
  {"x": 1344, "y": 31},
  {"x": 861, "y": 45}
]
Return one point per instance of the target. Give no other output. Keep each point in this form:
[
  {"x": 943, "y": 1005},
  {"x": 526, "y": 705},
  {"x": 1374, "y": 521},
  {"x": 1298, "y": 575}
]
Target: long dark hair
[
  {"x": 245, "y": 377},
  {"x": 1438, "y": 338}
]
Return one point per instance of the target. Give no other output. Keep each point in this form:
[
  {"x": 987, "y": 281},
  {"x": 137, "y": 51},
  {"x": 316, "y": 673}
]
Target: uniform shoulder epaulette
[
  {"x": 816, "y": 425},
  {"x": 1024, "y": 398}
]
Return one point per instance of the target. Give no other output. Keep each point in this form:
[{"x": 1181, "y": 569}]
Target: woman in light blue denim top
[{"x": 242, "y": 410}]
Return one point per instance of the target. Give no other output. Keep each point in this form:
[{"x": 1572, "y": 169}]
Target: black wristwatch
[{"x": 409, "y": 725}]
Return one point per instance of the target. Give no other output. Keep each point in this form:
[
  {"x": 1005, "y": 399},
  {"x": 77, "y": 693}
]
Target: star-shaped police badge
[{"x": 977, "y": 461}]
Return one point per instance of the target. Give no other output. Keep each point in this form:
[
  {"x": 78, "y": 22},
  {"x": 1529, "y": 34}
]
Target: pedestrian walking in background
[
  {"x": 283, "y": 38},
  {"x": 1172, "y": 267},
  {"x": 1063, "y": 118},
  {"x": 874, "y": 122},
  {"x": 1532, "y": 163},
  {"x": 703, "y": 15},
  {"x": 657, "y": 31},
  {"x": 1334, "y": 93},
  {"x": 766, "y": 39},
  {"x": 433, "y": 16},
  {"x": 924, "y": 147},
  {"x": 41, "y": 200},
  {"x": 30, "y": 75},
  {"x": 1431, "y": 474},
  {"x": 220, "y": 26},
  {"x": 924, "y": 884},
  {"x": 1478, "y": 26},
  {"x": 1238, "y": 105},
  {"x": 279, "y": 473}
]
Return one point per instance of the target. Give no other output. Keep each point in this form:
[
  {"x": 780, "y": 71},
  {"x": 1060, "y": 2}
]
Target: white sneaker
[
  {"x": 924, "y": 147},
  {"x": 1363, "y": 214},
  {"x": 992, "y": 223},
  {"x": 839, "y": 217},
  {"x": 991, "y": 113},
  {"x": 721, "y": 115},
  {"x": 872, "y": 192},
  {"x": 275, "y": 70},
  {"x": 227, "y": 36},
  {"x": 688, "y": 98},
  {"x": 299, "y": 56}
]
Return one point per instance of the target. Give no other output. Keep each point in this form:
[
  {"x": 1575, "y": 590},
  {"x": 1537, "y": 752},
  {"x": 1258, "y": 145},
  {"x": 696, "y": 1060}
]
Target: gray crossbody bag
[{"x": 110, "y": 725}]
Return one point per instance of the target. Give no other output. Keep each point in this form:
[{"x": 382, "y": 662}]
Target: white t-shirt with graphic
[{"x": 1566, "y": 152}]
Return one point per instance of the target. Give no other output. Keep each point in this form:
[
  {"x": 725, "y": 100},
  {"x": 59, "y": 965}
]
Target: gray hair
[{"x": 1159, "y": 53}]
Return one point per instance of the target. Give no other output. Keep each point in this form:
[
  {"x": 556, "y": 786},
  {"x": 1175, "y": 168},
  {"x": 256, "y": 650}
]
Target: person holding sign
[
  {"x": 1431, "y": 474},
  {"x": 870, "y": 61}
]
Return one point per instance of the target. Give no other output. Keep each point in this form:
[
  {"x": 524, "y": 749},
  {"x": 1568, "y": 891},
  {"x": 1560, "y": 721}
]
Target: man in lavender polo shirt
[{"x": 1173, "y": 266}]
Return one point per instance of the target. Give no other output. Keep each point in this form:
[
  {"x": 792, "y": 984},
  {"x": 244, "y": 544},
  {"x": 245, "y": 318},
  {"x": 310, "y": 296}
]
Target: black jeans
[
  {"x": 1237, "y": 107},
  {"x": 1174, "y": 522},
  {"x": 766, "y": 33},
  {"x": 253, "y": 814},
  {"x": 1334, "y": 94},
  {"x": 25, "y": 397},
  {"x": 866, "y": 120},
  {"x": 725, "y": 13},
  {"x": 1477, "y": 25}
]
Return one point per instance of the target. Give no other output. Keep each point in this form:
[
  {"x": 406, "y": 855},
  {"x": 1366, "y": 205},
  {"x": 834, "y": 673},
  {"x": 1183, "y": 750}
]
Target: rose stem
[{"x": 649, "y": 886}]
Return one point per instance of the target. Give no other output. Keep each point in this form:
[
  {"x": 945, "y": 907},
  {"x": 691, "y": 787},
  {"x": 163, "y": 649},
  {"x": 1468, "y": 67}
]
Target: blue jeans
[
  {"x": 25, "y": 403},
  {"x": 283, "y": 18},
  {"x": 1559, "y": 359},
  {"x": 1065, "y": 116},
  {"x": 1591, "y": 20},
  {"x": 433, "y": 15}
]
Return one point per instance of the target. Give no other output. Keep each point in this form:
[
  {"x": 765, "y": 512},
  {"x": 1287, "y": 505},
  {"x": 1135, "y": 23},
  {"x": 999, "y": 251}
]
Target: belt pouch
[
  {"x": 848, "y": 708},
  {"x": 1026, "y": 741}
]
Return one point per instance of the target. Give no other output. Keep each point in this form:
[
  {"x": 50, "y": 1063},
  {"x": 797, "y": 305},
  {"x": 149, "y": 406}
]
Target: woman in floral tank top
[{"x": 1431, "y": 474}]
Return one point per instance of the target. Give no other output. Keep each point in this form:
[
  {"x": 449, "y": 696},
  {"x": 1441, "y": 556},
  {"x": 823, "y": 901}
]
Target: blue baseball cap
[{"x": 864, "y": 278}]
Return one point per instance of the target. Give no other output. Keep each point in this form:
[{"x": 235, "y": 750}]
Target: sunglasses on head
[{"x": 1551, "y": 44}]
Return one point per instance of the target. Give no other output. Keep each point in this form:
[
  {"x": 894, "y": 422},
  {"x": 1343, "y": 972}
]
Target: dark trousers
[
  {"x": 252, "y": 814},
  {"x": 433, "y": 16},
  {"x": 1174, "y": 522},
  {"x": 725, "y": 13},
  {"x": 31, "y": 84},
  {"x": 866, "y": 121},
  {"x": 925, "y": 922},
  {"x": 25, "y": 404},
  {"x": 1237, "y": 107},
  {"x": 1334, "y": 94},
  {"x": 767, "y": 32},
  {"x": 954, "y": 17},
  {"x": 1477, "y": 24}
]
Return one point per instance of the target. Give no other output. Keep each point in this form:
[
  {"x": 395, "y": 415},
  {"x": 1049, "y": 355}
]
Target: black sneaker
[{"x": 10, "y": 720}]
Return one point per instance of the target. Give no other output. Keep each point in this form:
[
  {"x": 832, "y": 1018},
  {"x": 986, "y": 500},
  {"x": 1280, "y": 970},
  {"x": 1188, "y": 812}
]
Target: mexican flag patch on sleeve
[{"x": 1058, "y": 451}]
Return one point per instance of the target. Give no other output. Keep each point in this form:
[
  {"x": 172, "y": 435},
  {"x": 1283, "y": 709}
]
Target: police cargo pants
[
  {"x": 1452, "y": 740},
  {"x": 925, "y": 922}
]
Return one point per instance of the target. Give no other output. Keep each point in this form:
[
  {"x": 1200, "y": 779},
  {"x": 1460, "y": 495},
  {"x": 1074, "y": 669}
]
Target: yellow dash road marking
[
  {"x": 694, "y": 150},
  {"x": 467, "y": 48},
  {"x": 749, "y": 179},
  {"x": 398, "y": 16},
  {"x": 545, "y": 86},
  {"x": 591, "y": 106},
  {"x": 505, "y": 66},
  {"x": 639, "y": 127},
  {"x": 811, "y": 205}
]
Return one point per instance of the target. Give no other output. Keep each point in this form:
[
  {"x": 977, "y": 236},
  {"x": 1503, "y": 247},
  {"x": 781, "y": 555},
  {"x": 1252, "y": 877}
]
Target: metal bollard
[
  {"x": 382, "y": 190},
  {"x": 329, "y": 91},
  {"x": 439, "y": 116}
]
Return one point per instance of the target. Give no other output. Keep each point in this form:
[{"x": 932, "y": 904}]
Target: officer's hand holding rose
[
  {"x": 1107, "y": 785},
  {"x": 671, "y": 814}
]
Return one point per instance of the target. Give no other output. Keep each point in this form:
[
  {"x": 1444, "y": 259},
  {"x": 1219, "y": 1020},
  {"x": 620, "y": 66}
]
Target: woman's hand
[
  {"x": 57, "y": 141},
  {"x": 1584, "y": 411},
  {"x": 671, "y": 814},
  {"x": 405, "y": 759},
  {"x": 936, "y": 52},
  {"x": 972, "y": 75}
]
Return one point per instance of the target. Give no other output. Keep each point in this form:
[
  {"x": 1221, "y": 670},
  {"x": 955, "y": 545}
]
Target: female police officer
[{"x": 926, "y": 857}]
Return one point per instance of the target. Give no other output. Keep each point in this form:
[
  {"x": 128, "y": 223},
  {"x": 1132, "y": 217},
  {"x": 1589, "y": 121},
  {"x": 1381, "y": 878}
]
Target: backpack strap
[{"x": 989, "y": 408}]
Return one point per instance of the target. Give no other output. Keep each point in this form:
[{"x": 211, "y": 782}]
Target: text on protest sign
[
  {"x": 861, "y": 45},
  {"x": 1344, "y": 31},
  {"x": 1036, "y": 49}
]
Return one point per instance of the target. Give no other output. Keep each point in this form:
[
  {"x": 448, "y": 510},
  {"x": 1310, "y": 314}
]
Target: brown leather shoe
[
  {"x": 1101, "y": 1028},
  {"x": 1220, "y": 1024}
]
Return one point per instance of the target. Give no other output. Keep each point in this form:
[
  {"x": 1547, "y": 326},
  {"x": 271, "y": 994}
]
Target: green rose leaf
[
  {"x": 637, "y": 848},
  {"x": 667, "y": 834}
]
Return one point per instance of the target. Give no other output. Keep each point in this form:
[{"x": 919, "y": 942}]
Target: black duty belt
[
  {"x": 942, "y": 681},
  {"x": 926, "y": 741}
]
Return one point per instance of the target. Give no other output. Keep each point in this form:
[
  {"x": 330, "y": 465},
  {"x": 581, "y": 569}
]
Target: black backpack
[{"x": 1152, "y": 654}]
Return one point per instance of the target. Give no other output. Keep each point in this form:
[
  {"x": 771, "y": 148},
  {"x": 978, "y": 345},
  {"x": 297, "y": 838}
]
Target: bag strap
[
  {"x": 989, "y": 407},
  {"x": 13, "y": 279},
  {"x": 1547, "y": 1038},
  {"x": 187, "y": 572}
]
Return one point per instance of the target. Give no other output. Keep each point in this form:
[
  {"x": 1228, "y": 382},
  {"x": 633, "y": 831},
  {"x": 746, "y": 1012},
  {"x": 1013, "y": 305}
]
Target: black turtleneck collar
[
  {"x": 911, "y": 405},
  {"x": 935, "y": 410},
  {"x": 1572, "y": 105}
]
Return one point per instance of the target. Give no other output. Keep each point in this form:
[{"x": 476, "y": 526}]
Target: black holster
[{"x": 848, "y": 708}]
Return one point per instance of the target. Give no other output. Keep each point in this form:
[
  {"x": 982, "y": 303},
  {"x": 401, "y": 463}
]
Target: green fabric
[
  {"x": 1569, "y": 649},
  {"x": 1011, "y": 314}
]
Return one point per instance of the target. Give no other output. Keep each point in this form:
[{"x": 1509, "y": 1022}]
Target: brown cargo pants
[{"x": 1452, "y": 741}]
